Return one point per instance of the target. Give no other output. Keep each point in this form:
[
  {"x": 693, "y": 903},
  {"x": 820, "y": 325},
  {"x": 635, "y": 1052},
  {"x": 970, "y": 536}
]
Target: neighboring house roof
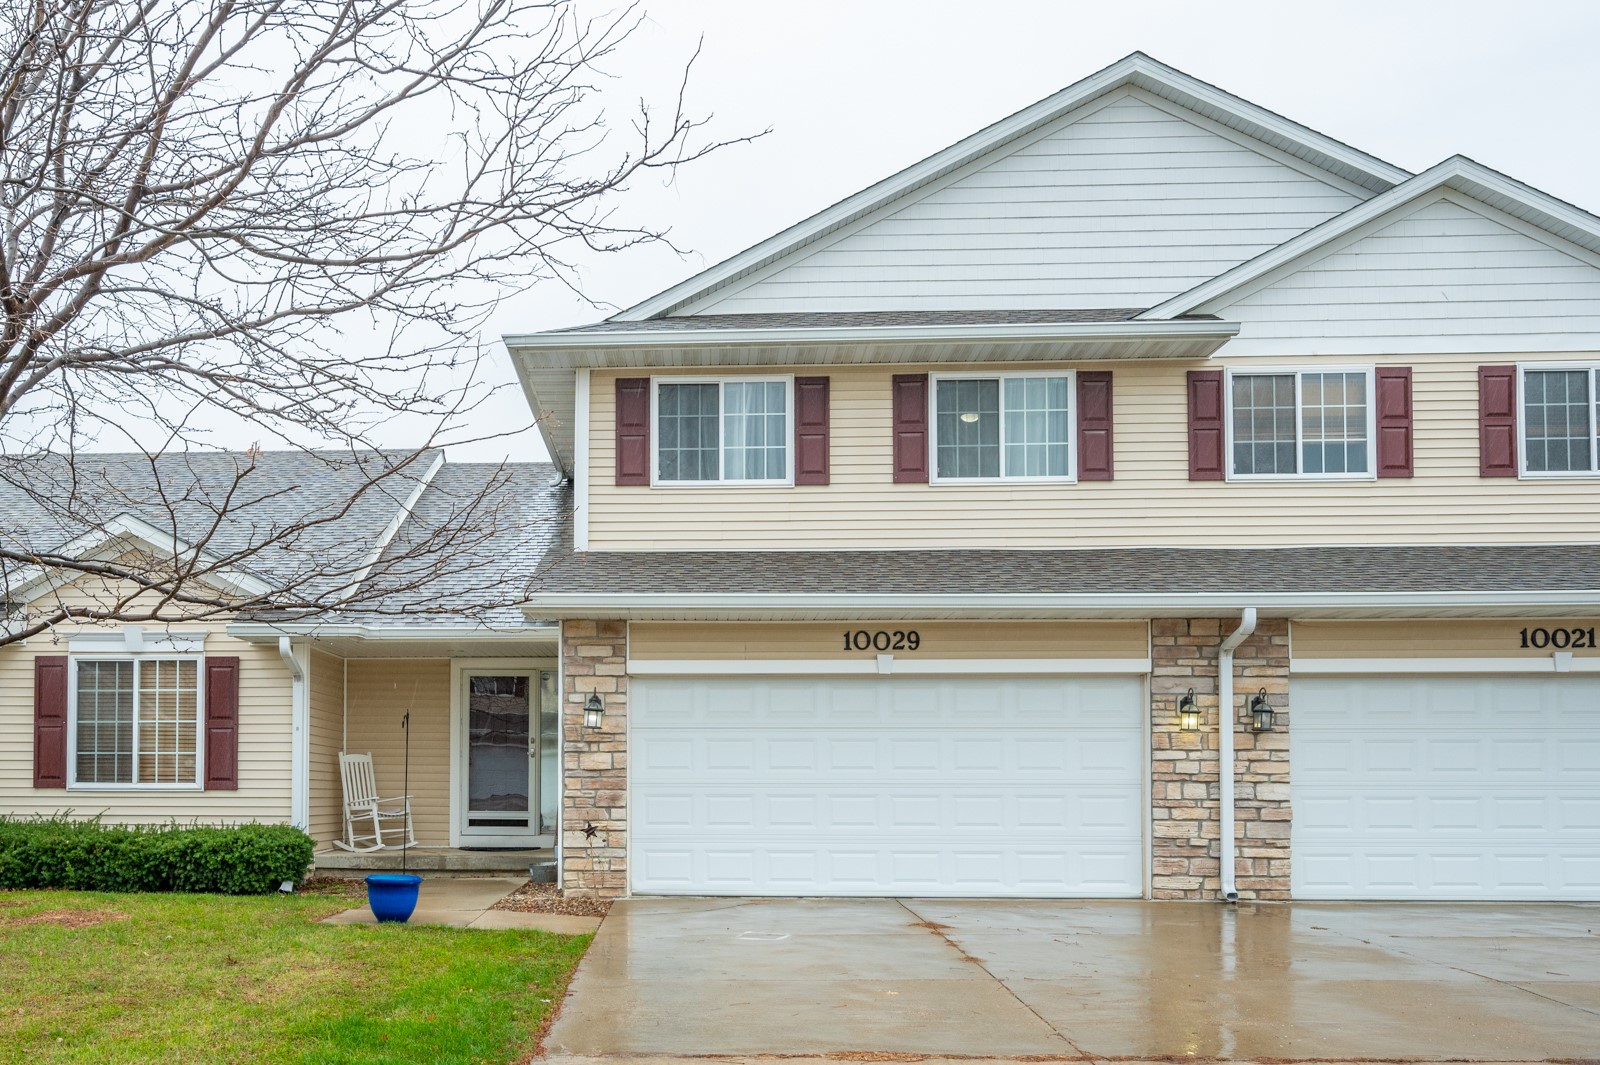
[
  {"x": 648, "y": 582},
  {"x": 1489, "y": 187},
  {"x": 228, "y": 504},
  {"x": 1137, "y": 70}
]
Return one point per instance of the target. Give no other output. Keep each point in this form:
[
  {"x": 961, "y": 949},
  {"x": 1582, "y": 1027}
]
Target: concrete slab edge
[{"x": 875, "y": 1056}]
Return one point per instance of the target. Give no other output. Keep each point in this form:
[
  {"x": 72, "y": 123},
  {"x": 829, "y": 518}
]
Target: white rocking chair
[{"x": 361, "y": 804}]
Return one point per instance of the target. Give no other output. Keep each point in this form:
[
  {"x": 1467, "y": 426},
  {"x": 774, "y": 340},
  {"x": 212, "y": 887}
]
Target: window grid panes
[
  {"x": 1036, "y": 426},
  {"x": 1333, "y": 420},
  {"x": 722, "y": 431},
  {"x": 1311, "y": 423},
  {"x": 1559, "y": 415},
  {"x": 1263, "y": 423},
  {"x": 687, "y": 431},
  {"x": 992, "y": 428},
  {"x": 755, "y": 425},
  {"x": 137, "y": 721}
]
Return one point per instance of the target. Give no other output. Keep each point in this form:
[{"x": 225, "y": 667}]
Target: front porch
[{"x": 537, "y": 863}]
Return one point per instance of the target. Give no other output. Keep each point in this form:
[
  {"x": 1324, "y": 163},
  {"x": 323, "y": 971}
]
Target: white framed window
[
  {"x": 988, "y": 427},
  {"x": 134, "y": 721},
  {"x": 723, "y": 431},
  {"x": 1314, "y": 424},
  {"x": 1559, "y": 419}
]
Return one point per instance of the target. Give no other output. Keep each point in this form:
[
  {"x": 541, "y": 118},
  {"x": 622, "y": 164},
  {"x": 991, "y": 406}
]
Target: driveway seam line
[{"x": 924, "y": 922}]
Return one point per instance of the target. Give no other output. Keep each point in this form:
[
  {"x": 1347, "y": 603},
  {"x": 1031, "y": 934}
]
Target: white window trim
[
  {"x": 72, "y": 722},
  {"x": 655, "y": 430},
  {"x": 1297, "y": 372},
  {"x": 1522, "y": 423},
  {"x": 933, "y": 427}
]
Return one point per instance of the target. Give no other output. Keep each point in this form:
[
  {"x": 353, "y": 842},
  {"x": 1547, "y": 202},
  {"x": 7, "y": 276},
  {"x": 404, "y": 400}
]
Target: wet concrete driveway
[{"x": 685, "y": 977}]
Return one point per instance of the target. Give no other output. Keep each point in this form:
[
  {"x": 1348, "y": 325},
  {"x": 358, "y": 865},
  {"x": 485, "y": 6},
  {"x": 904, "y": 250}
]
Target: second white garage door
[
  {"x": 972, "y": 786},
  {"x": 1446, "y": 787}
]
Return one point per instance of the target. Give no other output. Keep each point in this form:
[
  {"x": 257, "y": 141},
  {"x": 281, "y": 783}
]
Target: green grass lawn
[{"x": 210, "y": 978}]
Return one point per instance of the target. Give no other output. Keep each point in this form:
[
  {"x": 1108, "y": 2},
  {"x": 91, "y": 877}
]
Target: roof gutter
[
  {"x": 273, "y": 632},
  {"x": 624, "y": 605},
  {"x": 1226, "y": 722},
  {"x": 1002, "y": 332}
]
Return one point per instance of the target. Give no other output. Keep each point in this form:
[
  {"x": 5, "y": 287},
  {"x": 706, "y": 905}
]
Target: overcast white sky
[{"x": 856, "y": 91}]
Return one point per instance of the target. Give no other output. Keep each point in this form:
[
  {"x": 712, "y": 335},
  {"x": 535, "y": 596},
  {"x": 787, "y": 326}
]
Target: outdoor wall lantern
[
  {"x": 594, "y": 711},
  {"x": 1189, "y": 713},
  {"x": 1260, "y": 713}
]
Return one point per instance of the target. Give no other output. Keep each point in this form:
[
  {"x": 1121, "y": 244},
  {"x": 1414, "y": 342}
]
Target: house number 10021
[
  {"x": 882, "y": 640},
  {"x": 1560, "y": 639}
]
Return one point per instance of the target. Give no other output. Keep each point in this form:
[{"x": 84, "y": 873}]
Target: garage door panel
[
  {"x": 1472, "y": 788},
  {"x": 888, "y": 786}
]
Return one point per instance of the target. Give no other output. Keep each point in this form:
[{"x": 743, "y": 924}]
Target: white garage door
[
  {"x": 1460, "y": 787},
  {"x": 887, "y": 786}
]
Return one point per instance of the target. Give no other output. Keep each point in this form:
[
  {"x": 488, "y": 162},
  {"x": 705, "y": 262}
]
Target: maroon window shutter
[
  {"x": 910, "y": 391},
  {"x": 222, "y": 724},
  {"x": 1205, "y": 426},
  {"x": 1393, "y": 385},
  {"x": 1094, "y": 425},
  {"x": 811, "y": 430},
  {"x": 50, "y": 721},
  {"x": 1497, "y": 421},
  {"x": 633, "y": 430}
]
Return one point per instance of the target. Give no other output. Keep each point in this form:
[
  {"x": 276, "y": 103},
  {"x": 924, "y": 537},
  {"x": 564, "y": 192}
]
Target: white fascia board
[
  {"x": 395, "y": 524},
  {"x": 269, "y": 632},
  {"x": 1473, "y": 179},
  {"x": 122, "y": 531},
  {"x": 877, "y": 666},
  {"x": 1136, "y": 69},
  {"x": 1026, "y": 605},
  {"x": 1358, "y": 666},
  {"x": 1066, "y": 332}
]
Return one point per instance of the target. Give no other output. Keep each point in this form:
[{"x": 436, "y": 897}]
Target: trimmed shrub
[{"x": 84, "y": 855}]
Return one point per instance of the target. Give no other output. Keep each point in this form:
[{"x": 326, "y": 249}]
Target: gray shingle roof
[
  {"x": 1131, "y": 571},
  {"x": 863, "y": 320}
]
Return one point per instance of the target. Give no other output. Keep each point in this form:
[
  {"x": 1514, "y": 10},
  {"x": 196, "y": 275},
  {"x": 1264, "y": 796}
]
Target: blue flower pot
[{"x": 392, "y": 896}]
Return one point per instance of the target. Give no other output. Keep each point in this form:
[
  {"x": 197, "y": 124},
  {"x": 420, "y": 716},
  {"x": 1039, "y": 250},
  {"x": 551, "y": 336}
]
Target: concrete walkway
[
  {"x": 464, "y": 902},
  {"x": 692, "y": 977}
]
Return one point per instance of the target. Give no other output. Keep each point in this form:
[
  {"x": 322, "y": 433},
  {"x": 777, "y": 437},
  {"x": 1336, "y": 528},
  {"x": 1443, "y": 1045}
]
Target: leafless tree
[{"x": 296, "y": 214}]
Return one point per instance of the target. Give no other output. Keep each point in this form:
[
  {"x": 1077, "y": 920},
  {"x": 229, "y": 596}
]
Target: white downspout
[
  {"x": 299, "y": 748},
  {"x": 1226, "y": 719}
]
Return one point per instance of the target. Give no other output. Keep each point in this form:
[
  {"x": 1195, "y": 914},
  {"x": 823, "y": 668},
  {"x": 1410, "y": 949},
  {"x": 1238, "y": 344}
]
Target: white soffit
[{"x": 1138, "y": 69}]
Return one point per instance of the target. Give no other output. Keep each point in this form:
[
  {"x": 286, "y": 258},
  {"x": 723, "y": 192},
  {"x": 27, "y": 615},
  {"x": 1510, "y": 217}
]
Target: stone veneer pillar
[
  {"x": 594, "y": 795},
  {"x": 1185, "y": 786}
]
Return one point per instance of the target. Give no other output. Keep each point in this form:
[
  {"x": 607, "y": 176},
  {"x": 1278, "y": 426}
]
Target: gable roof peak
[{"x": 1137, "y": 70}]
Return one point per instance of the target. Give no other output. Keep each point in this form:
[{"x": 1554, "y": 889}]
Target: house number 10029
[
  {"x": 882, "y": 640},
  {"x": 1560, "y": 639}
]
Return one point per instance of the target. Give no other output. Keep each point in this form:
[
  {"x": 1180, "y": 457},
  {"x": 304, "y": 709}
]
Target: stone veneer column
[
  {"x": 1184, "y": 783},
  {"x": 594, "y": 658}
]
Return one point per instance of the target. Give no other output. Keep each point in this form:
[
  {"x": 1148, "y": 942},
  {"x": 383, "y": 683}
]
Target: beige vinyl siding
[
  {"x": 1123, "y": 203},
  {"x": 265, "y": 694},
  {"x": 649, "y": 641},
  {"x": 379, "y": 692},
  {"x": 1428, "y": 639},
  {"x": 326, "y": 696},
  {"x": 1151, "y": 502}
]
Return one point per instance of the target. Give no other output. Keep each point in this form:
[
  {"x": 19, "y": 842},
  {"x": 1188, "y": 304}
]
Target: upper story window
[
  {"x": 1560, "y": 409},
  {"x": 1301, "y": 423},
  {"x": 1003, "y": 427},
  {"x": 135, "y": 721},
  {"x": 731, "y": 431}
]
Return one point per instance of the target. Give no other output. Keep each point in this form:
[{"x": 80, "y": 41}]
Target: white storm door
[
  {"x": 885, "y": 786},
  {"x": 501, "y": 754},
  {"x": 1446, "y": 787}
]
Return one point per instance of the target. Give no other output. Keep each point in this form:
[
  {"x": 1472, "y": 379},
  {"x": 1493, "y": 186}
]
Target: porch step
[{"x": 437, "y": 861}]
